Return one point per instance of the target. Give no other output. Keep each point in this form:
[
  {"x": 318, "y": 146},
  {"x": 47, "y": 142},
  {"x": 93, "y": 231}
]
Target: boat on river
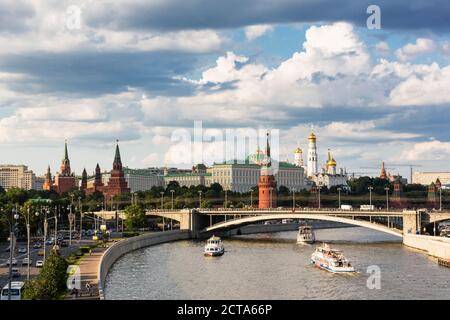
[
  {"x": 331, "y": 260},
  {"x": 306, "y": 235},
  {"x": 214, "y": 247}
]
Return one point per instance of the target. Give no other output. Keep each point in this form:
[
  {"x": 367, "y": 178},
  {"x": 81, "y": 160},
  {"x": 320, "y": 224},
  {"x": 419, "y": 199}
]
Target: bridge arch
[{"x": 236, "y": 223}]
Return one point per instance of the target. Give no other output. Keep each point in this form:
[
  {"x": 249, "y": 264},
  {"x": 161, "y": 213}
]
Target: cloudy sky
[{"x": 141, "y": 70}]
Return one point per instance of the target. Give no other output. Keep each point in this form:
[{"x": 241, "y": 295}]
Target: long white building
[{"x": 16, "y": 176}]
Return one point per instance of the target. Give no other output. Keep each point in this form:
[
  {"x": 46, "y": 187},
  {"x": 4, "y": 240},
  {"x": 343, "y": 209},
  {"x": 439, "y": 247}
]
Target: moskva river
[{"x": 273, "y": 266}]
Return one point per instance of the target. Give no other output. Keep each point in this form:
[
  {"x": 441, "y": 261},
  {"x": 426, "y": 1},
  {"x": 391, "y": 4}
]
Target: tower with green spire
[
  {"x": 65, "y": 179},
  {"x": 65, "y": 163},
  {"x": 117, "y": 183}
]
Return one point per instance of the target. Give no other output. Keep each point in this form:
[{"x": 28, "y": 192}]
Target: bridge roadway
[{"x": 204, "y": 221}]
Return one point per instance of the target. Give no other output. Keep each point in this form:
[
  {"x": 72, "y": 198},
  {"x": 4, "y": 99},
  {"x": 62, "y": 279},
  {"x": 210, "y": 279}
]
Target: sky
[{"x": 144, "y": 71}]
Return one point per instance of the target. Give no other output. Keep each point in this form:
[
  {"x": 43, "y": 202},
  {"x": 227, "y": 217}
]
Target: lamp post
[
  {"x": 251, "y": 198},
  {"x": 440, "y": 198},
  {"x": 200, "y": 198},
  {"x": 319, "y": 188},
  {"x": 45, "y": 229},
  {"x": 225, "y": 204},
  {"x": 14, "y": 216},
  {"x": 80, "y": 207},
  {"x": 27, "y": 221},
  {"x": 370, "y": 196},
  {"x": 71, "y": 216},
  {"x": 162, "y": 207},
  {"x": 293, "y": 198},
  {"x": 339, "y": 197},
  {"x": 387, "y": 198},
  {"x": 172, "y": 191}
]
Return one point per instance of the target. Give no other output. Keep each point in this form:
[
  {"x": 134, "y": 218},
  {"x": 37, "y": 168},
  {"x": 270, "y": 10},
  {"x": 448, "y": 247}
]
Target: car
[
  {"x": 15, "y": 272},
  {"x": 37, "y": 245},
  {"x": 49, "y": 242},
  {"x": 27, "y": 261},
  {"x": 40, "y": 253},
  {"x": 22, "y": 250},
  {"x": 14, "y": 262},
  {"x": 39, "y": 264},
  {"x": 64, "y": 244}
]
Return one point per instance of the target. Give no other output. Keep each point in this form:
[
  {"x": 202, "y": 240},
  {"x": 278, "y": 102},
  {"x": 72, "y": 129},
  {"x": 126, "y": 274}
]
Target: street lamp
[
  {"x": 172, "y": 191},
  {"x": 339, "y": 197},
  {"x": 370, "y": 196},
  {"x": 251, "y": 198},
  {"x": 387, "y": 198},
  {"x": 318, "y": 189},
  {"x": 293, "y": 198},
  {"x": 27, "y": 221},
  {"x": 80, "y": 207},
  {"x": 200, "y": 198},
  {"x": 14, "y": 216},
  {"x": 270, "y": 198},
  {"x": 162, "y": 207},
  {"x": 440, "y": 198},
  {"x": 225, "y": 204}
]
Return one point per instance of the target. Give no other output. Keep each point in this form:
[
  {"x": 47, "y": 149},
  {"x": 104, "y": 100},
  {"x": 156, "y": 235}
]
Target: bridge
[{"x": 203, "y": 222}]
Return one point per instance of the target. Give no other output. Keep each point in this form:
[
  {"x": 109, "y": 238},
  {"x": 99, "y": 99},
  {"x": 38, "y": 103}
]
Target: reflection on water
[{"x": 272, "y": 266}]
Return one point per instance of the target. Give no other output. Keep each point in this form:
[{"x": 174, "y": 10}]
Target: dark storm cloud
[
  {"x": 217, "y": 14},
  {"x": 91, "y": 74}
]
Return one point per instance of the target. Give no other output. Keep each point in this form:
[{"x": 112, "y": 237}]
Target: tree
[
  {"x": 51, "y": 282},
  {"x": 134, "y": 217}
]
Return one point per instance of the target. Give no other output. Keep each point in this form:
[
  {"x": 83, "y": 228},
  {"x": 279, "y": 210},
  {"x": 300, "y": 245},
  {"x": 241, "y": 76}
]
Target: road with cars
[{"x": 20, "y": 254}]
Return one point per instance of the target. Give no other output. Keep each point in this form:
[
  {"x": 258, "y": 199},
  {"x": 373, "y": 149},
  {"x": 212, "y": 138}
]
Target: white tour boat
[
  {"x": 306, "y": 235},
  {"x": 331, "y": 260},
  {"x": 214, "y": 247}
]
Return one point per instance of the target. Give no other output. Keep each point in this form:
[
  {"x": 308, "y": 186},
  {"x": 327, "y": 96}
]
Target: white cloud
[
  {"x": 383, "y": 47},
  {"x": 412, "y": 50},
  {"x": 430, "y": 150},
  {"x": 256, "y": 31},
  {"x": 430, "y": 89}
]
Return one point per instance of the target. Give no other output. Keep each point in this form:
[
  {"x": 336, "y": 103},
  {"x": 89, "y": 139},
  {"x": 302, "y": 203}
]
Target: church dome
[
  {"x": 331, "y": 162},
  {"x": 298, "y": 150},
  {"x": 312, "y": 136}
]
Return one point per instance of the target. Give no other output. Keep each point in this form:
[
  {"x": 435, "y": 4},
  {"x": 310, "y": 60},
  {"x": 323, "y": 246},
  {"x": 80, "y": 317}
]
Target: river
[{"x": 273, "y": 266}]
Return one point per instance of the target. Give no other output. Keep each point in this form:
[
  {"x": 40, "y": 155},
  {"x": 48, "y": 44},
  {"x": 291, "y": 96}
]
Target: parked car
[
  {"x": 40, "y": 253},
  {"x": 22, "y": 250},
  {"x": 14, "y": 262},
  {"x": 39, "y": 264},
  {"x": 27, "y": 261},
  {"x": 15, "y": 272},
  {"x": 49, "y": 242},
  {"x": 37, "y": 245}
]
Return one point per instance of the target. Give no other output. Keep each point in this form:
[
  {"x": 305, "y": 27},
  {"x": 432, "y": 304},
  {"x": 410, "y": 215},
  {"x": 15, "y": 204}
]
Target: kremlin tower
[
  {"x": 312, "y": 155},
  {"x": 84, "y": 177},
  {"x": 267, "y": 184},
  {"x": 48, "y": 183},
  {"x": 65, "y": 179},
  {"x": 117, "y": 183},
  {"x": 383, "y": 174}
]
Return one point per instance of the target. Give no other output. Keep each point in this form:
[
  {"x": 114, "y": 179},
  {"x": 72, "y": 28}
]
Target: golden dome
[
  {"x": 312, "y": 136},
  {"x": 331, "y": 162},
  {"x": 298, "y": 150}
]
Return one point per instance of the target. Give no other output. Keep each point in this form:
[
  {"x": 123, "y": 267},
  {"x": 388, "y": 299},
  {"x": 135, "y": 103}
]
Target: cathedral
[{"x": 329, "y": 176}]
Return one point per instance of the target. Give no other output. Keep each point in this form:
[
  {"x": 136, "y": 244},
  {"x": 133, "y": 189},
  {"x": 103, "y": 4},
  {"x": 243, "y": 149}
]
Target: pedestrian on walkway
[{"x": 88, "y": 289}]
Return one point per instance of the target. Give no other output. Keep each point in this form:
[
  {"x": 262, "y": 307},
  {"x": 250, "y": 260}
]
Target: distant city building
[
  {"x": 137, "y": 179},
  {"x": 39, "y": 183},
  {"x": 426, "y": 178},
  {"x": 17, "y": 176}
]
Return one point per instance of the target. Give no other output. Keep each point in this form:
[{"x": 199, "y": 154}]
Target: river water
[{"x": 273, "y": 266}]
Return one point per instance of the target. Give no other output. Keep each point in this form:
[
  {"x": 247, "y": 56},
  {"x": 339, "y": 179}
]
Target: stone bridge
[{"x": 202, "y": 222}]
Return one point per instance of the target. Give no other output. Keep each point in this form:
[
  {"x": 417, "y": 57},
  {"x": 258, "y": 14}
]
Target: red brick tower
[
  {"x": 84, "y": 177},
  {"x": 117, "y": 183},
  {"x": 267, "y": 184},
  {"x": 48, "y": 183},
  {"x": 396, "y": 198},
  {"x": 383, "y": 174},
  {"x": 65, "y": 179}
]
